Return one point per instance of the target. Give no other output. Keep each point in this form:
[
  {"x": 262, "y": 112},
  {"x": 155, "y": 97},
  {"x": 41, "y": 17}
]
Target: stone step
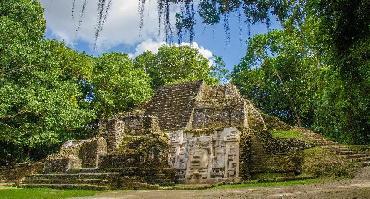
[
  {"x": 333, "y": 147},
  {"x": 360, "y": 159},
  {"x": 352, "y": 153},
  {"x": 346, "y": 152},
  {"x": 89, "y": 170},
  {"x": 350, "y": 147},
  {"x": 6, "y": 184},
  {"x": 65, "y": 186},
  {"x": 75, "y": 175},
  {"x": 355, "y": 155},
  {"x": 66, "y": 181},
  {"x": 366, "y": 164},
  {"x": 126, "y": 170}
]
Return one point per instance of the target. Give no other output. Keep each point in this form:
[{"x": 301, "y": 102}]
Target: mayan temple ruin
[
  {"x": 204, "y": 125},
  {"x": 187, "y": 133}
]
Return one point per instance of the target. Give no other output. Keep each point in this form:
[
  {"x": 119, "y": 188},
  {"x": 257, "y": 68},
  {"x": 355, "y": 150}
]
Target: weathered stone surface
[
  {"x": 199, "y": 152},
  {"x": 76, "y": 154},
  {"x": 173, "y": 105},
  {"x": 201, "y": 157}
]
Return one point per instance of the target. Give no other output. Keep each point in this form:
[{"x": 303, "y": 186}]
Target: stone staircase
[
  {"x": 95, "y": 179},
  {"x": 354, "y": 153},
  {"x": 85, "y": 179}
]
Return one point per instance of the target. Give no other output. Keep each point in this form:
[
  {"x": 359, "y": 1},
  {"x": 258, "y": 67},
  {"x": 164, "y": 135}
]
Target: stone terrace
[{"x": 173, "y": 105}]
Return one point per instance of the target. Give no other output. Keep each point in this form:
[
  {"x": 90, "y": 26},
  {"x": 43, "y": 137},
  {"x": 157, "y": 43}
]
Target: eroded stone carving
[{"x": 200, "y": 158}]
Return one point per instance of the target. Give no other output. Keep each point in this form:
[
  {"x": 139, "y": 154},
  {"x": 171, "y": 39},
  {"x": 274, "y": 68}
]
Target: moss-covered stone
[{"x": 319, "y": 161}]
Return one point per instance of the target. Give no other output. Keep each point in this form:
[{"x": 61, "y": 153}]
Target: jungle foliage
[
  {"x": 40, "y": 98},
  {"x": 180, "y": 64},
  {"x": 315, "y": 71}
]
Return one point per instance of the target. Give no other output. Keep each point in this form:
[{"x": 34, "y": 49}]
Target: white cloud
[
  {"x": 121, "y": 27},
  {"x": 150, "y": 45}
]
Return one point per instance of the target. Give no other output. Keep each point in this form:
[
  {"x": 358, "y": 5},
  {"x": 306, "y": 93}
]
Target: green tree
[
  {"x": 324, "y": 89},
  {"x": 118, "y": 85},
  {"x": 172, "y": 64},
  {"x": 28, "y": 14},
  {"x": 41, "y": 103},
  {"x": 279, "y": 72},
  {"x": 346, "y": 24}
]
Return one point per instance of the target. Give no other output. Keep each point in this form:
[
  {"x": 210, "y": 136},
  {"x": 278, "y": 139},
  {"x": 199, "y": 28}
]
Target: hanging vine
[
  {"x": 82, "y": 14},
  {"x": 209, "y": 11},
  {"x": 141, "y": 9},
  {"x": 185, "y": 21},
  {"x": 103, "y": 11},
  {"x": 73, "y": 9}
]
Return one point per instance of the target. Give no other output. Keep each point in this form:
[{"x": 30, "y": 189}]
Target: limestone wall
[
  {"x": 112, "y": 131},
  {"x": 230, "y": 114},
  {"x": 115, "y": 129},
  {"x": 218, "y": 107},
  {"x": 205, "y": 156},
  {"x": 76, "y": 154}
]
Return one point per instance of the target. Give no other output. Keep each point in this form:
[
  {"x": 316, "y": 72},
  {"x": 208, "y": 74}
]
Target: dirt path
[{"x": 359, "y": 187}]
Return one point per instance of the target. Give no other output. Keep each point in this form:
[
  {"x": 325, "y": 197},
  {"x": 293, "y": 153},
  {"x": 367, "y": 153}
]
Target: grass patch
[
  {"x": 287, "y": 134},
  {"x": 270, "y": 184},
  {"x": 42, "y": 193}
]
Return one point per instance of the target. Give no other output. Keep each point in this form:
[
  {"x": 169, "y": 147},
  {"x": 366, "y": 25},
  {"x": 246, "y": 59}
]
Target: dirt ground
[{"x": 356, "y": 188}]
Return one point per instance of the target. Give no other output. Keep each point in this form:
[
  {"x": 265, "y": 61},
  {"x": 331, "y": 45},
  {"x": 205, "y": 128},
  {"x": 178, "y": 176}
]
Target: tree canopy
[
  {"x": 278, "y": 73},
  {"x": 303, "y": 74},
  {"x": 176, "y": 64},
  {"x": 40, "y": 98},
  {"x": 118, "y": 85}
]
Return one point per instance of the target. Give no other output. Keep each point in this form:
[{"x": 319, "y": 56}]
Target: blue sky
[{"x": 121, "y": 31}]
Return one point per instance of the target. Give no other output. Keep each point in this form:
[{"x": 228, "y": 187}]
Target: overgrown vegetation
[
  {"x": 306, "y": 76},
  {"x": 287, "y": 134},
  {"x": 320, "y": 162}
]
